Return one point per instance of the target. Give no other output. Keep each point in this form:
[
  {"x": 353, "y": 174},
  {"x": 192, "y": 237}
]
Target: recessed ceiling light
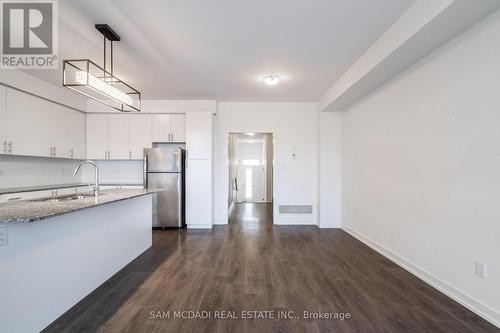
[{"x": 271, "y": 80}]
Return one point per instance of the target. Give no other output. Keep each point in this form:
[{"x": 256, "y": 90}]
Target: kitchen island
[{"x": 59, "y": 251}]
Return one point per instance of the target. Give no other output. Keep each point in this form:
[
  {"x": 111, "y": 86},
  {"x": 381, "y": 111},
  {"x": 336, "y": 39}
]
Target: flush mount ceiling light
[
  {"x": 271, "y": 80},
  {"x": 97, "y": 83}
]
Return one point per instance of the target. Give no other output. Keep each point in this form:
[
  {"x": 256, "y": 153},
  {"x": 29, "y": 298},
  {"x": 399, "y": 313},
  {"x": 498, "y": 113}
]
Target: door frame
[
  {"x": 241, "y": 167},
  {"x": 274, "y": 195}
]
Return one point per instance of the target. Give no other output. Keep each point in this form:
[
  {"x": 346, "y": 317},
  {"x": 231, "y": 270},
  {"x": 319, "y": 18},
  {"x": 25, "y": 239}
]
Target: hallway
[{"x": 252, "y": 265}]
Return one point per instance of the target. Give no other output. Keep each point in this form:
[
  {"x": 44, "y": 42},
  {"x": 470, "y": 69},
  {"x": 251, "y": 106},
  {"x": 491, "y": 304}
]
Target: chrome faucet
[{"x": 96, "y": 174}]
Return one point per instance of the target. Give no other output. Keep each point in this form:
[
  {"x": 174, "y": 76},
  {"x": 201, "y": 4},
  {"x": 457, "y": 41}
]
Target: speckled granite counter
[
  {"x": 32, "y": 211},
  {"x": 58, "y": 186}
]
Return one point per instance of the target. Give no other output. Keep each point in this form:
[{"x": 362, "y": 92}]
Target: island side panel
[{"x": 50, "y": 265}]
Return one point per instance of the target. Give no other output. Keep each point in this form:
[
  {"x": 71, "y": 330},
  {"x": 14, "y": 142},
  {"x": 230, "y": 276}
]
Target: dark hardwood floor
[{"x": 252, "y": 265}]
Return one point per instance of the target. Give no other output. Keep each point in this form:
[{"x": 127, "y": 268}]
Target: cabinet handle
[
  {"x": 105, "y": 154},
  {"x": 5, "y": 146},
  {"x": 71, "y": 152},
  {"x": 55, "y": 154},
  {"x": 130, "y": 154},
  {"x": 51, "y": 152},
  {"x": 109, "y": 154},
  {"x": 10, "y": 147}
]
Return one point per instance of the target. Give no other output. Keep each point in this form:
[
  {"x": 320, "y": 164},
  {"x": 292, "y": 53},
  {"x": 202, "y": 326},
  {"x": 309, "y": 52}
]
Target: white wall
[
  {"x": 16, "y": 171},
  {"x": 294, "y": 125},
  {"x": 329, "y": 169},
  {"x": 421, "y": 168}
]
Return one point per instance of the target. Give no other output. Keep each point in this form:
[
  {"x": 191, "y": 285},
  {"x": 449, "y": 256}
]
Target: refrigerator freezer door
[
  {"x": 165, "y": 159},
  {"x": 168, "y": 202}
]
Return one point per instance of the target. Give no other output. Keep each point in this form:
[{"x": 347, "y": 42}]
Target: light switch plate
[
  {"x": 480, "y": 270},
  {"x": 4, "y": 236}
]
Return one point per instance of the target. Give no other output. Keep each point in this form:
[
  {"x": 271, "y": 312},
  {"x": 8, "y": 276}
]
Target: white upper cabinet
[
  {"x": 169, "y": 128},
  {"x": 3, "y": 115},
  {"x": 76, "y": 130},
  {"x": 161, "y": 127},
  {"x": 43, "y": 124},
  {"x": 199, "y": 135},
  {"x": 178, "y": 127},
  {"x": 55, "y": 130},
  {"x": 97, "y": 136},
  {"x": 60, "y": 137},
  {"x": 118, "y": 137},
  {"x": 17, "y": 120},
  {"x": 139, "y": 134}
]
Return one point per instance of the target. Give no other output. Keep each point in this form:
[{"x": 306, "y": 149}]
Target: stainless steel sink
[{"x": 71, "y": 197}]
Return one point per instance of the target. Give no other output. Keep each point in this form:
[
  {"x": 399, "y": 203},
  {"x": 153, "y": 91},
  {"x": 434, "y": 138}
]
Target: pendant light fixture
[{"x": 98, "y": 83}]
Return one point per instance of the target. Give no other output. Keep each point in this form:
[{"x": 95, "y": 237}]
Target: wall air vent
[{"x": 295, "y": 209}]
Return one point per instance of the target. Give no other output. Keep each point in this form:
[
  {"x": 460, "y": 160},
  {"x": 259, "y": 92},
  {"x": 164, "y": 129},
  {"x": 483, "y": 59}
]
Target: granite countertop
[
  {"x": 28, "y": 211},
  {"x": 58, "y": 186}
]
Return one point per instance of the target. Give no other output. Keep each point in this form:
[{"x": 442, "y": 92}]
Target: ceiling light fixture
[
  {"x": 271, "y": 80},
  {"x": 97, "y": 83}
]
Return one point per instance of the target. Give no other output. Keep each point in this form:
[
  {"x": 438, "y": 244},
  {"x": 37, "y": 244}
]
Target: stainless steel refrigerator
[{"x": 164, "y": 168}]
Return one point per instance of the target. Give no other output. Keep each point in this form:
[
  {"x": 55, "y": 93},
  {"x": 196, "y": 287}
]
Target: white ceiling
[{"x": 219, "y": 49}]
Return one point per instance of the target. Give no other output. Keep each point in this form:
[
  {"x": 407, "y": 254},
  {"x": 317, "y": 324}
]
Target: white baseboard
[
  {"x": 472, "y": 304},
  {"x": 329, "y": 225},
  {"x": 199, "y": 226},
  {"x": 293, "y": 220},
  {"x": 220, "y": 222}
]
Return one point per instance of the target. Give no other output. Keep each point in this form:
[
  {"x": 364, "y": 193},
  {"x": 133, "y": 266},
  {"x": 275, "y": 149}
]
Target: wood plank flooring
[{"x": 252, "y": 265}]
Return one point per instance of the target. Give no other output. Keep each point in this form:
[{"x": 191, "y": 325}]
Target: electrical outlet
[
  {"x": 4, "y": 236},
  {"x": 480, "y": 269}
]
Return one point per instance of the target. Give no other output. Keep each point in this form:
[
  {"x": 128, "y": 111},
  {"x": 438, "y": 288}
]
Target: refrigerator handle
[
  {"x": 145, "y": 166},
  {"x": 178, "y": 156},
  {"x": 179, "y": 206}
]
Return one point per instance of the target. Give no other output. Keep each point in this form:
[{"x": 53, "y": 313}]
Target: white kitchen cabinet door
[
  {"x": 199, "y": 135},
  {"x": 97, "y": 136},
  {"x": 161, "y": 127},
  {"x": 199, "y": 194},
  {"x": 17, "y": 122},
  {"x": 178, "y": 128},
  {"x": 61, "y": 137},
  {"x": 118, "y": 137},
  {"x": 139, "y": 134},
  {"x": 76, "y": 132},
  {"x": 42, "y": 126},
  {"x": 3, "y": 102}
]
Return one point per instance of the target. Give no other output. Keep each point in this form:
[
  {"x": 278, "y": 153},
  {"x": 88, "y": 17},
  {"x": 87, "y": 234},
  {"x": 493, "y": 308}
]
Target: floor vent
[{"x": 295, "y": 209}]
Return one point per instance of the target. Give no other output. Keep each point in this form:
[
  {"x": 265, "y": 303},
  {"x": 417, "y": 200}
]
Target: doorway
[{"x": 250, "y": 168}]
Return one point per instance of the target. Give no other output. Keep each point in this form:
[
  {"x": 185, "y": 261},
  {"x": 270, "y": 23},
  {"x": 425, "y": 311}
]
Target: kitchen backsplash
[
  {"x": 18, "y": 171},
  {"x": 115, "y": 172}
]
